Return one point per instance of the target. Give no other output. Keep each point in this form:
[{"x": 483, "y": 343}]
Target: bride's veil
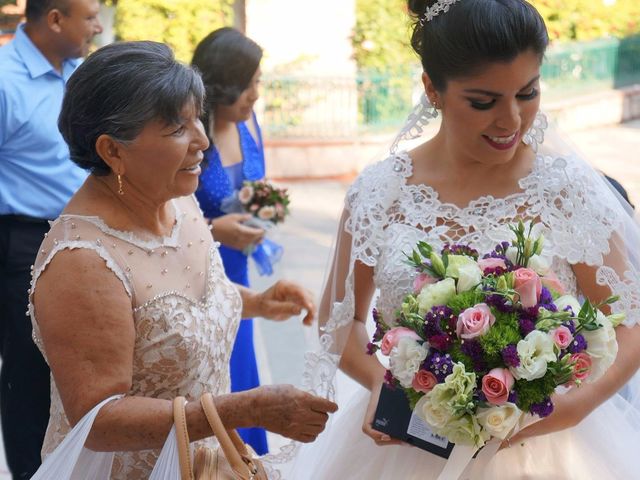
[{"x": 603, "y": 235}]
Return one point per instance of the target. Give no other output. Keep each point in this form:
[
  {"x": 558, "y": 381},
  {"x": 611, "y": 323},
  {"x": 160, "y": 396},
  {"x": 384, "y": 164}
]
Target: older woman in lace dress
[{"x": 129, "y": 294}]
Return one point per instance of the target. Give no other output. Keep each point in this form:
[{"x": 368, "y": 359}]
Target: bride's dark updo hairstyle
[{"x": 473, "y": 33}]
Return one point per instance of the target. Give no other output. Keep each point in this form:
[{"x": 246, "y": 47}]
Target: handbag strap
[
  {"x": 232, "y": 445},
  {"x": 182, "y": 438}
]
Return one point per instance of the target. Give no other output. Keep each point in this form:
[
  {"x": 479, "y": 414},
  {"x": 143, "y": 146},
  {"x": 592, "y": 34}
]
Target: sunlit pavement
[{"x": 308, "y": 233}]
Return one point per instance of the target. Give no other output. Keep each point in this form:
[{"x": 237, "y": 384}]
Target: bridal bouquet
[
  {"x": 483, "y": 340},
  {"x": 264, "y": 201}
]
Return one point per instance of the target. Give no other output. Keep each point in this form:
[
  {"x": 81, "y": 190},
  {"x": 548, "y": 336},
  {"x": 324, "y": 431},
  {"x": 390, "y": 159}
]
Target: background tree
[{"x": 181, "y": 24}]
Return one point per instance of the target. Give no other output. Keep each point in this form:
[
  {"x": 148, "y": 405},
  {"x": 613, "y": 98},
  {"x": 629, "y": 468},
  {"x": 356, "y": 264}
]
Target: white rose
[
  {"x": 535, "y": 351},
  {"x": 512, "y": 254},
  {"x": 405, "y": 359},
  {"x": 245, "y": 194},
  {"x": 436, "y": 294},
  {"x": 499, "y": 421},
  {"x": 568, "y": 301},
  {"x": 465, "y": 430},
  {"x": 434, "y": 408},
  {"x": 466, "y": 270},
  {"x": 267, "y": 213},
  {"x": 601, "y": 346},
  {"x": 539, "y": 264}
]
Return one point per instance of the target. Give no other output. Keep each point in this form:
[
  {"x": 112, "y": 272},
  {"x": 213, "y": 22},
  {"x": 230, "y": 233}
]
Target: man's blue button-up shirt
[{"x": 37, "y": 178}]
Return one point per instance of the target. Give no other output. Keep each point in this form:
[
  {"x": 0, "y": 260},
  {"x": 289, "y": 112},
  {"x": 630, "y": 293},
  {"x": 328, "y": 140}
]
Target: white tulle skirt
[{"x": 605, "y": 446}]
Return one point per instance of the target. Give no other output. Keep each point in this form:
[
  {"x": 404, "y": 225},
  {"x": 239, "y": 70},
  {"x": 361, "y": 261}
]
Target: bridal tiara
[{"x": 441, "y": 6}]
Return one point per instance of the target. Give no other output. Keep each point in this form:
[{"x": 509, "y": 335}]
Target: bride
[{"x": 486, "y": 167}]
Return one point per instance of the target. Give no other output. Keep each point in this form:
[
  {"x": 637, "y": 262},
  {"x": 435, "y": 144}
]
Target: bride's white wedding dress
[{"x": 386, "y": 216}]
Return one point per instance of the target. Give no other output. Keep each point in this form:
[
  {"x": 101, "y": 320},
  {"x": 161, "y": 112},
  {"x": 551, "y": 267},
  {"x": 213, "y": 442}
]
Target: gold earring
[{"x": 120, "y": 190}]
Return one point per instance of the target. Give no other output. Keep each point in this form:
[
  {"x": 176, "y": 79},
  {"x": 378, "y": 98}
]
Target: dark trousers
[{"x": 24, "y": 378}]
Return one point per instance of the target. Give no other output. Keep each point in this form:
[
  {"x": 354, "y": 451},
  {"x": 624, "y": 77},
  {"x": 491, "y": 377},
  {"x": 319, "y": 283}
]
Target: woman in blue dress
[{"x": 230, "y": 66}]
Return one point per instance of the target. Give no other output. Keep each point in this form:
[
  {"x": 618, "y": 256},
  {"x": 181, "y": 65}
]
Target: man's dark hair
[{"x": 36, "y": 9}]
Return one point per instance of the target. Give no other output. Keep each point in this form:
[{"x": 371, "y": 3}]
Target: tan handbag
[{"x": 233, "y": 460}]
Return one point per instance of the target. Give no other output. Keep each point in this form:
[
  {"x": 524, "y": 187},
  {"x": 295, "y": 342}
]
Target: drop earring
[{"x": 120, "y": 190}]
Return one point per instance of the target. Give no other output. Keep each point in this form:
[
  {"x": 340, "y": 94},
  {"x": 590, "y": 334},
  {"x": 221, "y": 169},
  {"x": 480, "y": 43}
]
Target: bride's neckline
[
  {"x": 150, "y": 243},
  {"x": 406, "y": 171}
]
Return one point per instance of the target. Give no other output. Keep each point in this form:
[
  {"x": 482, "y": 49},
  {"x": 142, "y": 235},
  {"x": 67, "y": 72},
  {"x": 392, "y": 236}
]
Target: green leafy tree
[
  {"x": 386, "y": 62},
  {"x": 381, "y": 35},
  {"x": 589, "y": 19},
  {"x": 382, "y": 30},
  {"x": 181, "y": 24}
]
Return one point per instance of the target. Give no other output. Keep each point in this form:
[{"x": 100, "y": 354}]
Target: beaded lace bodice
[
  {"x": 186, "y": 312},
  {"x": 388, "y": 216},
  {"x": 418, "y": 214}
]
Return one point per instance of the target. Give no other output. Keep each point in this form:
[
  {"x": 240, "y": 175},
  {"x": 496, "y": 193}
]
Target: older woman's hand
[
  {"x": 290, "y": 412},
  {"x": 283, "y": 300},
  {"x": 231, "y": 231}
]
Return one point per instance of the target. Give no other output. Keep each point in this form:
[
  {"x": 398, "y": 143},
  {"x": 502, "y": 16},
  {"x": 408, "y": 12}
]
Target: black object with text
[{"x": 394, "y": 417}]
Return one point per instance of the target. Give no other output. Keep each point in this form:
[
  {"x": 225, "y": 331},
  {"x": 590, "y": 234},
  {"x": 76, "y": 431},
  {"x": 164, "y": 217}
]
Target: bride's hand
[
  {"x": 566, "y": 414},
  {"x": 367, "y": 427}
]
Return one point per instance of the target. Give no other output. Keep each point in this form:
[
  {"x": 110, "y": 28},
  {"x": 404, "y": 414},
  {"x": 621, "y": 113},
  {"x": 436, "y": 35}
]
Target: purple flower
[
  {"x": 570, "y": 324},
  {"x": 460, "y": 250},
  {"x": 513, "y": 397},
  {"x": 526, "y": 326},
  {"x": 578, "y": 345},
  {"x": 371, "y": 348},
  {"x": 510, "y": 356},
  {"x": 546, "y": 300},
  {"x": 441, "y": 342},
  {"x": 380, "y": 327},
  {"x": 439, "y": 364},
  {"x": 500, "y": 249},
  {"x": 389, "y": 379},
  {"x": 479, "y": 396},
  {"x": 474, "y": 350},
  {"x": 542, "y": 409},
  {"x": 433, "y": 322},
  {"x": 499, "y": 302}
]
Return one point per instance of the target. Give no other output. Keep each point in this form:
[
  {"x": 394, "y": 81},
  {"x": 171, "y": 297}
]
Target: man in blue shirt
[{"x": 36, "y": 181}]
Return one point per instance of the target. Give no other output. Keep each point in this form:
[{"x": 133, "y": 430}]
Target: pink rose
[
  {"x": 553, "y": 283},
  {"x": 562, "y": 336},
  {"x": 496, "y": 385},
  {"x": 245, "y": 194},
  {"x": 393, "y": 336},
  {"x": 422, "y": 280},
  {"x": 582, "y": 365},
  {"x": 475, "y": 321},
  {"x": 424, "y": 381},
  {"x": 491, "y": 264},
  {"x": 528, "y": 285}
]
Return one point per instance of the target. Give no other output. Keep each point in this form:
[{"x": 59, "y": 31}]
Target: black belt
[{"x": 15, "y": 218}]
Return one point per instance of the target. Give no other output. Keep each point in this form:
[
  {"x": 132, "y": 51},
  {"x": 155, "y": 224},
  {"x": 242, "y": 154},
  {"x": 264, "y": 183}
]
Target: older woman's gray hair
[{"x": 117, "y": 91}]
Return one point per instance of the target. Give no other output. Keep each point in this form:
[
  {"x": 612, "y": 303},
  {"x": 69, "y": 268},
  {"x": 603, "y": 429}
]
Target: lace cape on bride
[{"x": 584, "y": 222}]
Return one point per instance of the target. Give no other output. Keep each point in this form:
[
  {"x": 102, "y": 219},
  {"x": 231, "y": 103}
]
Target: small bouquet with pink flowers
[
  {"x": 264, "y": 201},
  {"x": 268, "y": 206},
  {"x": 483, "y": 340}
]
